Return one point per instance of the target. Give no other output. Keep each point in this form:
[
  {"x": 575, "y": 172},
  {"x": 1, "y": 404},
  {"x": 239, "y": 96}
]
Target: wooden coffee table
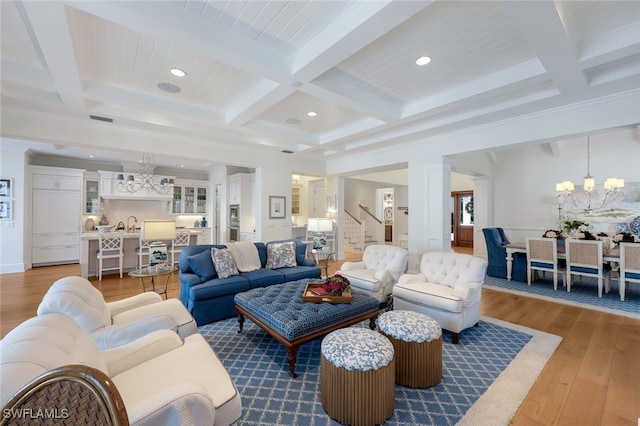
[{"x": 280, "y": 311}]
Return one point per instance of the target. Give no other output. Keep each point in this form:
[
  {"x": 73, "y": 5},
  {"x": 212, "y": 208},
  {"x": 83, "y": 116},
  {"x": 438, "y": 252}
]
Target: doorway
[{"x": 462, "y": 219}]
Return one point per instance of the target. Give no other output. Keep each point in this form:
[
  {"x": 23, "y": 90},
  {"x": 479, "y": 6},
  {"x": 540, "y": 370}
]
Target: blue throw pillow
[{"x": 202, "y": 265}]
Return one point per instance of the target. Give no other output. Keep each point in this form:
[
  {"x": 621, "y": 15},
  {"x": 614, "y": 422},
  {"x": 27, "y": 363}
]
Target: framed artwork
[
  {"x": 6, "y": 187},
  {"x": 277, "y": 207},
  {"x": 6, "y": 212}
]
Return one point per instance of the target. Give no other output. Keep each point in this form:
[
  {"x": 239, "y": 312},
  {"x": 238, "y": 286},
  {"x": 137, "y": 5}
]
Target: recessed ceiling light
[
  {"x": 312, "y": 113},
  {"x": 423, "y": 60},
  {"x": 90, "y": 155},
  {"x": 182, "y": 165},
  {"x": 178, "y": 72}
]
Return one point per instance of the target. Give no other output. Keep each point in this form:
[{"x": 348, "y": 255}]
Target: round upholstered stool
[
  {"x": 357, "y": 376},
  {"x": 417, "y": 342}
]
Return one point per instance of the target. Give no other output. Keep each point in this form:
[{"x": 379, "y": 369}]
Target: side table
[
  {"x": 322, "y": 258},
  {"x": 152, "y": 273}
]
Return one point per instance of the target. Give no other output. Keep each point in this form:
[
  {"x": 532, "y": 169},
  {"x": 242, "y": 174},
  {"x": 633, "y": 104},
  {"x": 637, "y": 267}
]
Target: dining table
[{"x": 609, "y": 254}]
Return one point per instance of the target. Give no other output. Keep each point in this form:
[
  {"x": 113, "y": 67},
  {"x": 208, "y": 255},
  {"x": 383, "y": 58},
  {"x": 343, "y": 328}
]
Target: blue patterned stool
[
  {"x": 417, "y": 341},
  {"x": 357, "y": 376}
]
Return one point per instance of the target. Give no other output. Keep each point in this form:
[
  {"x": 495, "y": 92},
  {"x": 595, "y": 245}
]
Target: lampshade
[
  {"x": 153, "y": 230},
  {"x": 319, "y": 224}
]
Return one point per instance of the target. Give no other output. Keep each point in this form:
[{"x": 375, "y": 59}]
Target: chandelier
[
  {"x": 612, "y": 192},
  {"x": 145, "y": 181}
]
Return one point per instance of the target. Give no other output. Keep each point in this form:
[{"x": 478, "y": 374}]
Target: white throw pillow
[
  {"x": 281, "y": 255},
  {"x": 223, "y": 262}
]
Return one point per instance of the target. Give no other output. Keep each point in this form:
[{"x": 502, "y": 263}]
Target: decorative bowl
[{"x": 104, "y": 229}]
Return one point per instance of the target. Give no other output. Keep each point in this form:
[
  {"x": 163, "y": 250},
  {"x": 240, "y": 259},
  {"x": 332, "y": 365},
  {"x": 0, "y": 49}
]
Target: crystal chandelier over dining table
[
  {"x": 146, "y": 180},
  {"x": 612, "y": 186}
]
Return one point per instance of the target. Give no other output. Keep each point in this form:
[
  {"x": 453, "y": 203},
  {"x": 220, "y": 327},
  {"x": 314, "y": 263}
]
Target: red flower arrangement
[{"x": 336, "y": 284}]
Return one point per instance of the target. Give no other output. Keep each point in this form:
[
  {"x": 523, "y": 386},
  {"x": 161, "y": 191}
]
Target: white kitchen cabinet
[
  {"x": 56, "y": 214},
  {"x": 204, "y": 237},
  {"x": 189, "y": 198}
]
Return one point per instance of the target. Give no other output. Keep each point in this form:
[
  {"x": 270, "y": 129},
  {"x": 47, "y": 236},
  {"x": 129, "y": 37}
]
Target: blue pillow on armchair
[{"x": 202, "y": 265}]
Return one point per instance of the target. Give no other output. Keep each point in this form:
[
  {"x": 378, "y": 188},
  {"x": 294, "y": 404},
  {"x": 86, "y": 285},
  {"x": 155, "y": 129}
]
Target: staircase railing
[
  {"x": 353, "y": 231},
  {"x": 373, "y": 226}
]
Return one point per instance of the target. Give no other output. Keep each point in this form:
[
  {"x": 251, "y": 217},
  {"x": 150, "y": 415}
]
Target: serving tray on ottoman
[
  {"x": 315, "y": 293},
  {"x": 280, "y": 311}
]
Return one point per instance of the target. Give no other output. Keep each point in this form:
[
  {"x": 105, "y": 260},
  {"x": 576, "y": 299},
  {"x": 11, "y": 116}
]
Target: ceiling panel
[
  {"x": 466, "y": 40},
  {"x": 16, "y": 42},
  {"x": 596, "y": 17},
  {"x": 118, "y": 56},
  {"x": 296, "y": 106},
  {"x": 283, "y": 25}
]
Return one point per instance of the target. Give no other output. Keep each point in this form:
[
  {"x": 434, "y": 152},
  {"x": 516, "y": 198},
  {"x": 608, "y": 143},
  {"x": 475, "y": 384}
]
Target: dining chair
[
  {"x": 585, "y": 258},
  {"x": 142, "y": 250},
  {"x": 181, "y": 241},
  {"x": 542, "y": 255},
  {"x": 110, "y": 247},
  {"x": 629, "y": 266}
]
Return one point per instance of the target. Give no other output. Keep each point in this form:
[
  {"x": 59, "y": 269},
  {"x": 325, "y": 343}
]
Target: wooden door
[{"x": 462, "y": 218}]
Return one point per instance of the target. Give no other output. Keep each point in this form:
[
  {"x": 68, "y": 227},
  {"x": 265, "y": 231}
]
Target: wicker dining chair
[
  {"x": 542, "y": 255},
  {"x": 629, "y": 266},
  {"x": 72, "y": 394},
  {"x": 585, "y": 257}
]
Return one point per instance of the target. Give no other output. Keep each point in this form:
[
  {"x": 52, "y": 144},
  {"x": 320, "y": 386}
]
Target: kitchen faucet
[{"x": 131, "y": 228}]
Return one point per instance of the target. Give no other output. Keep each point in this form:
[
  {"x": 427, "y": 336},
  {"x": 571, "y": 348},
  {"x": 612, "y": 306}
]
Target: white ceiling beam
[
  {"x": 541, "y": 26},
  {"x": 49, "y": 23}
]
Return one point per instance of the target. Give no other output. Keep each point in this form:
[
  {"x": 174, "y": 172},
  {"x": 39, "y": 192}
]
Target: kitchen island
[{"x": 89, "y": 249}]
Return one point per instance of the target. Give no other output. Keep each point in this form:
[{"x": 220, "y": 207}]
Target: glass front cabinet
[
  {"x": 189, "y": 199},
  {"x": 91, "y": 196}
]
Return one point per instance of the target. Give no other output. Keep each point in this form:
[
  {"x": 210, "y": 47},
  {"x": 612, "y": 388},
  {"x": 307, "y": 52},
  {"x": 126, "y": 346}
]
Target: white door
[{"x": 319, "y": 204}]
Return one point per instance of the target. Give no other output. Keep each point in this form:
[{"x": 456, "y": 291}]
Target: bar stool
[
  {"x": 110, "y": 247},
  {"x": 181, "y": 241}
]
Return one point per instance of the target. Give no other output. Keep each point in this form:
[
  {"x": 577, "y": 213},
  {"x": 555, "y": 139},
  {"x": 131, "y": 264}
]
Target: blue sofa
[
  {"x": 496, "y": 241},
  {"x": 209, "y": 298}
]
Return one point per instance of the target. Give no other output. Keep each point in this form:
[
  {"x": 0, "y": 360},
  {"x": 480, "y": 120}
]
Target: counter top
[{"x": 93, "y": 235}]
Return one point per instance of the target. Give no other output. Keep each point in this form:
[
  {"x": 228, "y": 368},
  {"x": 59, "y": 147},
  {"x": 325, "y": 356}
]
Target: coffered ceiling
[{"x": 254, "y": 69}]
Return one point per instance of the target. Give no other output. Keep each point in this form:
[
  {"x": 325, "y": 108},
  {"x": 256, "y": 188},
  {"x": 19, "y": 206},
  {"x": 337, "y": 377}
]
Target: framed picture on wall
[
  {"x": 277, "y": 207},
  {"x": 6, "y": 212},
  {"x": 6, "y": 187}
]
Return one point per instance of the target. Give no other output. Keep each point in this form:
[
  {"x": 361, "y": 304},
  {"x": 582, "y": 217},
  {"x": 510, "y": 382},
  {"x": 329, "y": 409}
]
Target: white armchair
[
  {"x": 377, "y": 272},
  {"x": 448, "y": 288},
  {"x": 115, "y": 323},
  {"x": 161, "y": 379}
]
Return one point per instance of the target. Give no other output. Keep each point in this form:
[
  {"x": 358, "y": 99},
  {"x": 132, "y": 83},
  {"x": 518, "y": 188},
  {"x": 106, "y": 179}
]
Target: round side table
[{"x": 152, "y": 273}]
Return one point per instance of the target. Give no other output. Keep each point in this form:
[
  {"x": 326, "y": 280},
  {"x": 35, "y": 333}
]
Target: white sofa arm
[
  {"x": 120, "y": 334},
  {"x": 412, "y": 278},
  {"x": 388, "y": 275},
  {"x": 143, "y": 349},
  {"x": 180, "y": 403},
  {"x": 348, "y": 266},
  {"x": 468, "y": 291},
  {"x": 143, "y": 299}
]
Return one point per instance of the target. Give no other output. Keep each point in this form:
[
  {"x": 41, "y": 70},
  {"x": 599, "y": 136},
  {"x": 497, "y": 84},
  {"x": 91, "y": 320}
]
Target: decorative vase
[
  {"x": 635, "y": 226},
  {"x": 621, "y": 227}
]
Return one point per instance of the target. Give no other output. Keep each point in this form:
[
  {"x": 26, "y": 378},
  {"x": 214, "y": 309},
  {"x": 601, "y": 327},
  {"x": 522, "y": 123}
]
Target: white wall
[
  {"x": 524, "y": 178},
  {"x": 14, "y": 255}
]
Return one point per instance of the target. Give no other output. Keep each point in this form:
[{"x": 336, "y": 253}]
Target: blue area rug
[
  {"x": 584, "y": 293},
  {"x": 258, "y": 365}
]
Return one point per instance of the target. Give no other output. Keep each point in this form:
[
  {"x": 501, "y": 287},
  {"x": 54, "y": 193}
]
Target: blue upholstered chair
[{"x": 496, "y": 241}]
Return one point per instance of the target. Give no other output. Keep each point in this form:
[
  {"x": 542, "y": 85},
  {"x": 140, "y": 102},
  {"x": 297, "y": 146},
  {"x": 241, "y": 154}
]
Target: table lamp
[
  {"x": 158, "y": 231},
  {"x": 320, "y": 226}
]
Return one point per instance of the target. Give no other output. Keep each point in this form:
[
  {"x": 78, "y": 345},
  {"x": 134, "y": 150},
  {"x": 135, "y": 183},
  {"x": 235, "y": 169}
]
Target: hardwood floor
[{"x": 593, "y": 378}]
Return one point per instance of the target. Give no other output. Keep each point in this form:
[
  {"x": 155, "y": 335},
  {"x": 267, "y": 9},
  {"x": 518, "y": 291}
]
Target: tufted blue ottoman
[
  {"x": 279, "y": 310},
  {"x": 417, "y": 341},
  {"x": 357, "y": 371}
]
